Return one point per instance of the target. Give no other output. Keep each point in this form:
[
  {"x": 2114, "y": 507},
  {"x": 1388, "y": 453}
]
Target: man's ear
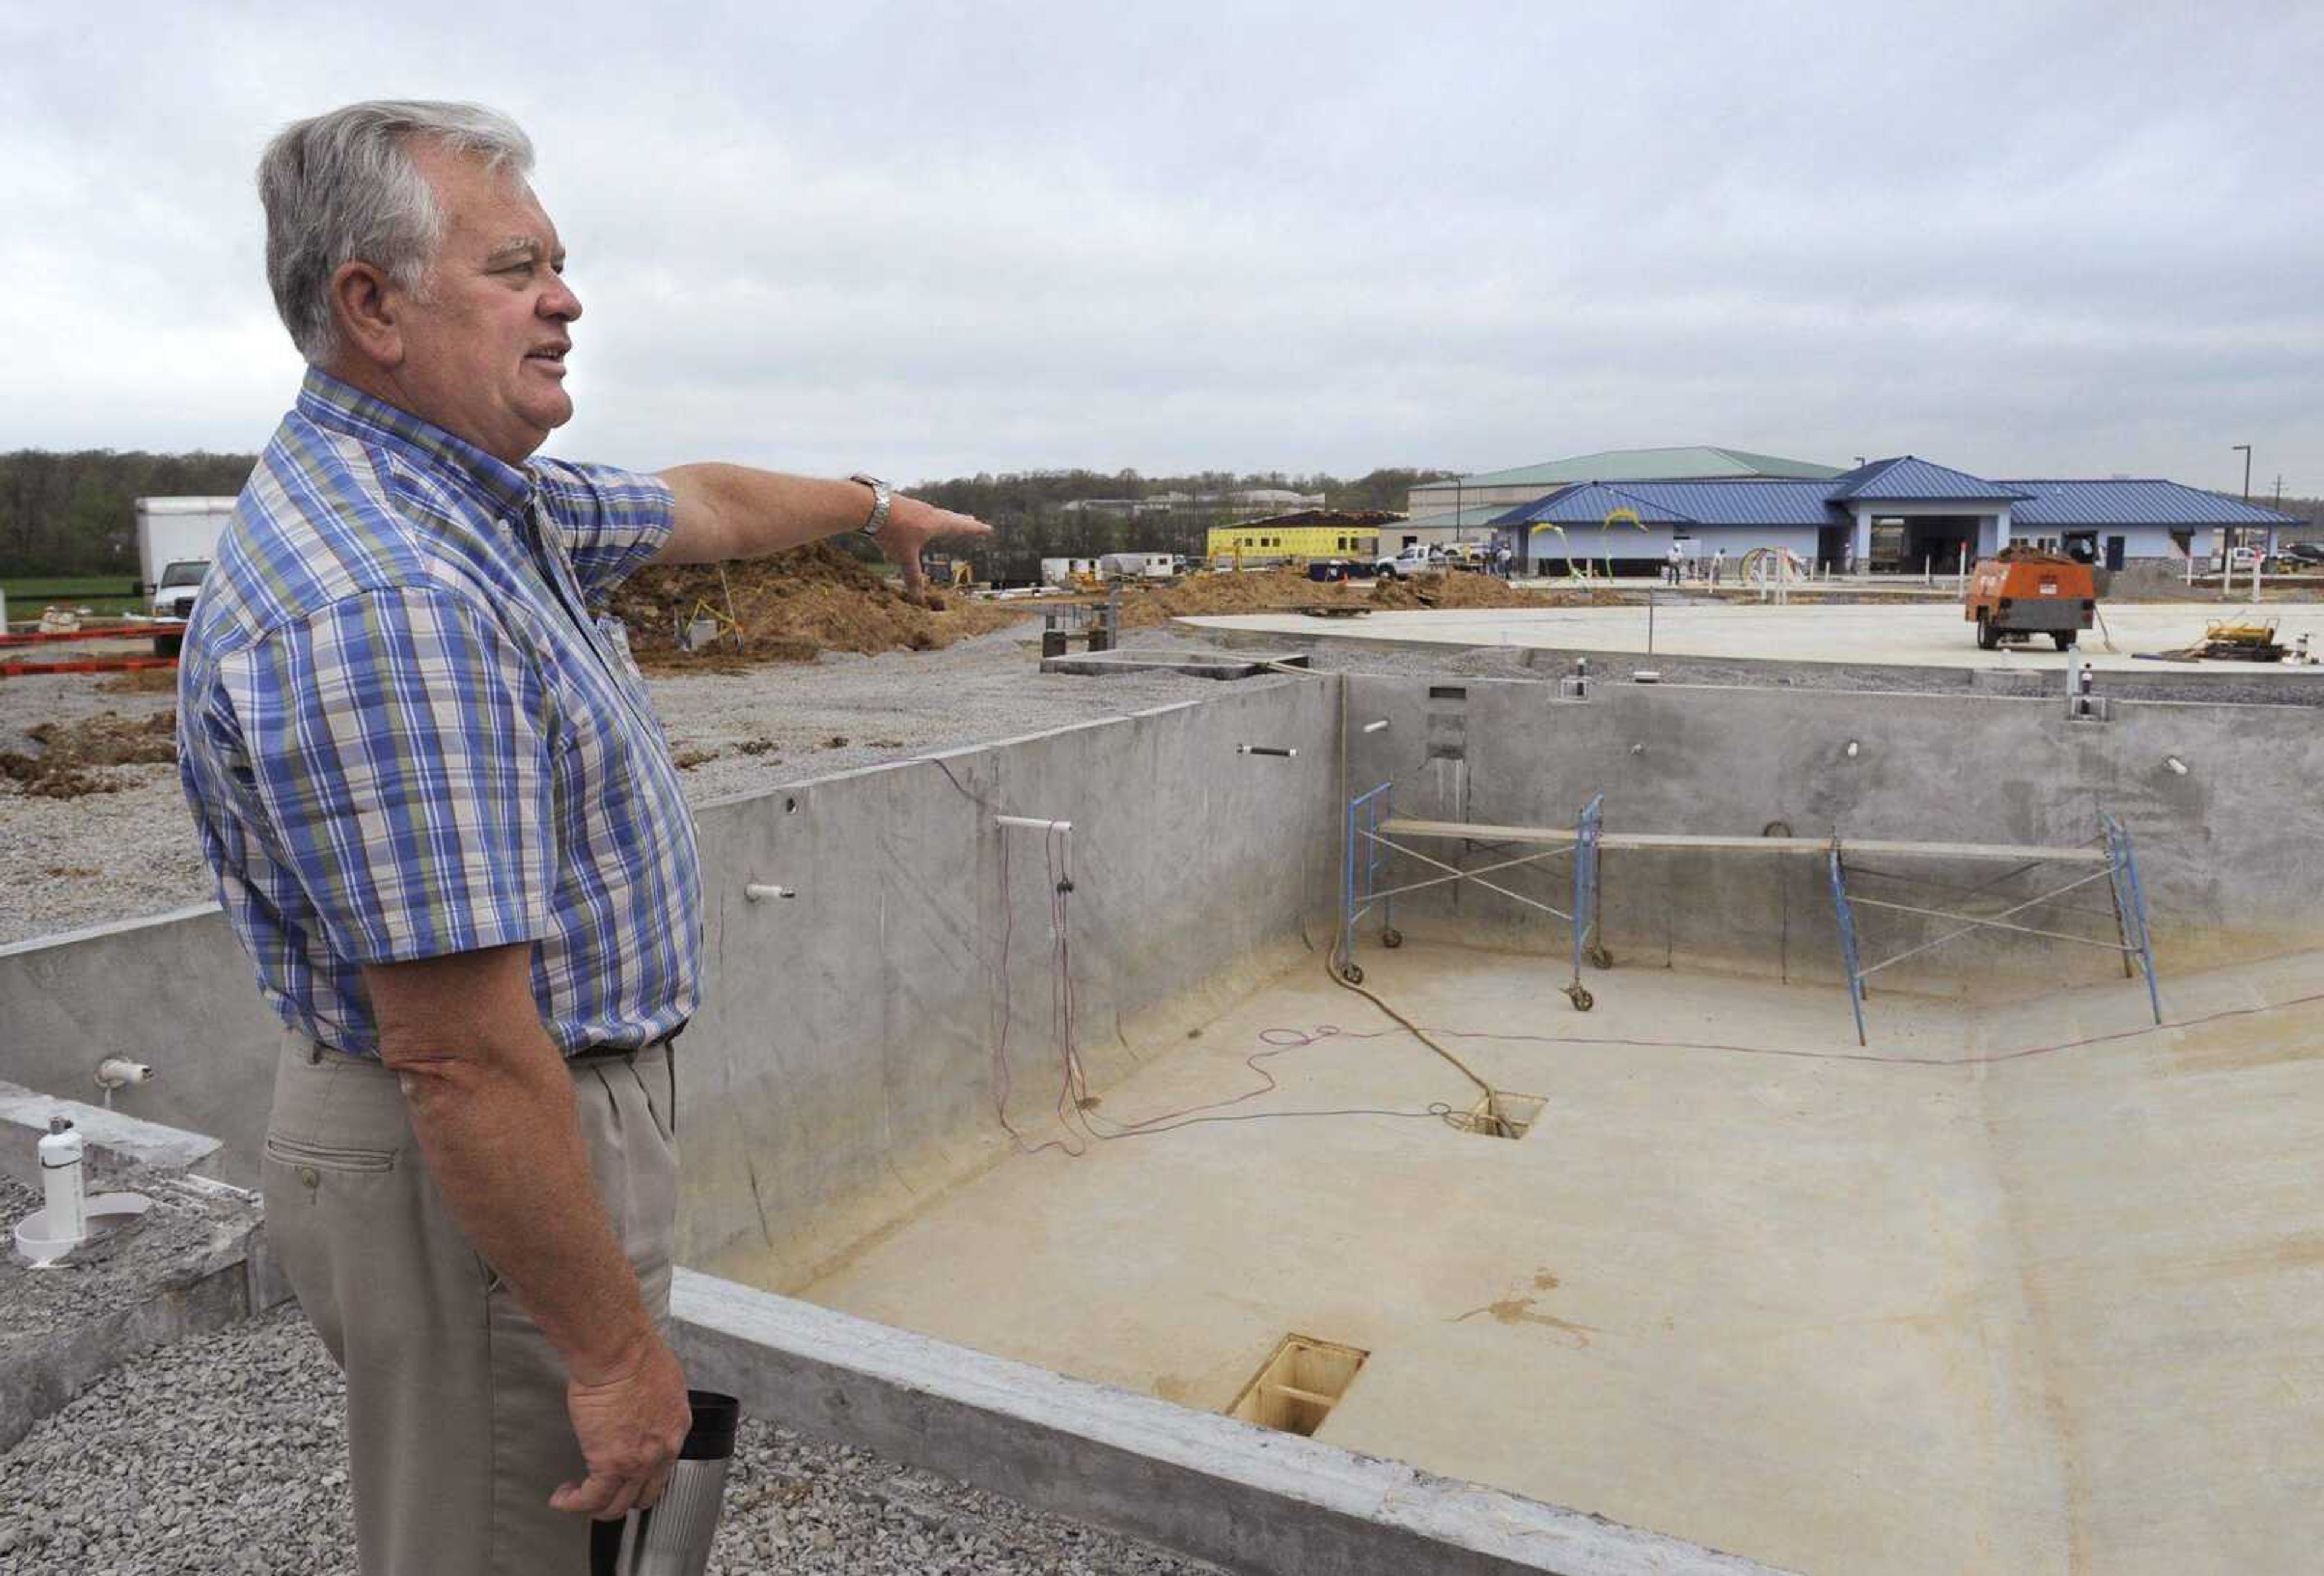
[{"x": 369, "y": 308}]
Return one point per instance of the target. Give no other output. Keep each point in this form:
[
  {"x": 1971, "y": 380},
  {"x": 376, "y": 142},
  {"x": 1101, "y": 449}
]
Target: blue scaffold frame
[
  {"x": 1366, "y": 851},
  {"x": 2130, "y": 909},
  {"x": 2133, "y": 942}
]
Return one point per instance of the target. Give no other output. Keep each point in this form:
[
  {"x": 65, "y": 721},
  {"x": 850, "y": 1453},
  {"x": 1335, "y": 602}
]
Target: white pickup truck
[{"x": 1412, "y": 559}]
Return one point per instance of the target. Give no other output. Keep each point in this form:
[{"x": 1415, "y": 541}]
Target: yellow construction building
[{"x": 1296, "y": 538}]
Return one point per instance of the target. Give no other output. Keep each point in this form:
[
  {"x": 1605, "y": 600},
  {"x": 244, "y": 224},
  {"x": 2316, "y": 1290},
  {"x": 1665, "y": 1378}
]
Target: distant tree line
[
  {"x": 73, "y": 514},
  {"x": 1030, "y": 521}
]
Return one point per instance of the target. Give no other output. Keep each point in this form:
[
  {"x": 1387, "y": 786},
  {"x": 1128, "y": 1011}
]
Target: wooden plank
[{"x": 1674, "y": 841}]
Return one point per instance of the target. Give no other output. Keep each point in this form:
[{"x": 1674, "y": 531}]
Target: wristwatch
[{"x": 881, "y": 500}]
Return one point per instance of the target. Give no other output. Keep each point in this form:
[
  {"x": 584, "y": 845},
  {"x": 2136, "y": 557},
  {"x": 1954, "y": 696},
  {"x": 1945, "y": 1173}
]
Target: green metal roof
[
  {"x": 1649, "y": 465},
  {"x": 1471, "y": 516}
]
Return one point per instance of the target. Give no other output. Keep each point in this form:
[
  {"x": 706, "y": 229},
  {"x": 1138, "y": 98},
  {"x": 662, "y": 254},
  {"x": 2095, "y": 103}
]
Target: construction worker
[
  {"x": 444, "y": 825},
  {"x": 1671, "y": 564},
  {"x": 1718, "y": 565}
]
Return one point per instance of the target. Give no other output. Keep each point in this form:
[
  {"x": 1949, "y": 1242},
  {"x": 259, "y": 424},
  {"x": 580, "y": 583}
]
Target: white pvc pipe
[
  {"x": 760, "y": 891},
  {"x": 1034, "y": 821},
  {"x": 60, "y": 1182}
]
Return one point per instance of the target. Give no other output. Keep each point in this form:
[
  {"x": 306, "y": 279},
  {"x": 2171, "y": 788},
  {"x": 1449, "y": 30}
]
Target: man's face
[{"x": 484, "y": 356}]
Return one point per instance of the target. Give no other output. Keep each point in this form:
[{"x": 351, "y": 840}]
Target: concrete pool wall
[
  {"x": 2230, "y": 851},
  {"x": 840, "y": 1062},
  {"x": 844, "y": 1035}
]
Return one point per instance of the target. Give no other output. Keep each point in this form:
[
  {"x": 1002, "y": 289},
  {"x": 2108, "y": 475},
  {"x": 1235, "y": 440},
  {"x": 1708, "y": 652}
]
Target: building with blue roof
[{"x": 1902, "y": 512}]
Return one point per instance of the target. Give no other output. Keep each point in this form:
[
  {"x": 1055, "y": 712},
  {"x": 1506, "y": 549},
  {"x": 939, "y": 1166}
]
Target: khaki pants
[{"x": 456, "y": 1424}]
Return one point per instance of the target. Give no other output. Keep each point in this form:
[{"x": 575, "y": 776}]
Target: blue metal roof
[
  {"x": 1909, "y": 479},
  {"x": 1589, "y": 503},
  {"x": 1768, "y": 502},
  {"x": 2145, "y": 502}
]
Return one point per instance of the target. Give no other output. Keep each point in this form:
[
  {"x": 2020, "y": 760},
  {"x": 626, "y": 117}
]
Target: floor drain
[
  {"x": 1503, "y": 1115},
  {"x": 1299, "y": 1385}
]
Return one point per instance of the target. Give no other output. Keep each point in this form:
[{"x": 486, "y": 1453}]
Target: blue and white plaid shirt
[{"x": 407, "y": 729}]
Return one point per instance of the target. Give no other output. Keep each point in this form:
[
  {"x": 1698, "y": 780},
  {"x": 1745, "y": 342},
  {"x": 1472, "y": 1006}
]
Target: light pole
[{"x": 2238, "y": 538}]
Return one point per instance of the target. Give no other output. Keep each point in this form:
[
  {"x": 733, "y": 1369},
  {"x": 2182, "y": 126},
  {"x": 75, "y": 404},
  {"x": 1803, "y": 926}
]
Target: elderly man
[{"x": 446, "y": 827}]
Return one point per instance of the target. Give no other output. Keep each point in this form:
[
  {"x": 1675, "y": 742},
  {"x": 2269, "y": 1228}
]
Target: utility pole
[{"x": 2247, "y": 454}]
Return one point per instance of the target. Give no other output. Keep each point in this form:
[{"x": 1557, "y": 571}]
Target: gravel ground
[
  {"x": 228, "y": 1454},
  {"x": 68, "y": 863},
  {"x": 171, "y": 1242}
]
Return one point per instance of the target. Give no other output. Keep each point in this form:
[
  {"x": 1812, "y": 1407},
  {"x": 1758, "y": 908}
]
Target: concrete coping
[{"x": 1210, "y": 1485}]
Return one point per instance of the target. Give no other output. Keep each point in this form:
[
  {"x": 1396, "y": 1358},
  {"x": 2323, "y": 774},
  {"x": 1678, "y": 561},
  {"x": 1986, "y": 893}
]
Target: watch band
[{"x": 881, "y": 498}]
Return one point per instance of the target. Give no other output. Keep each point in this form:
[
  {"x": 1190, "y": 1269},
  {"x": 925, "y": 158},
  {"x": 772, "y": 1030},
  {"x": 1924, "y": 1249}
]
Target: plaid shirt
[{"x": 407, "y": 729}]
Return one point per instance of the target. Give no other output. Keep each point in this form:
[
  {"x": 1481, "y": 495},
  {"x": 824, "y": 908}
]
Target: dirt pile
[
  {"x": 1252, "y": 591},
  {"x": 73, "y": 754},
  {"x": 788, "y": 608},
  {"x": 1463, "y": 590}
]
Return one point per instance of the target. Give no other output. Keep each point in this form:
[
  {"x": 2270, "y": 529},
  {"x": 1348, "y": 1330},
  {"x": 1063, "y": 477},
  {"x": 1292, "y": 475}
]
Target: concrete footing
[
  {"x": 1200, "y": 664},
  {"x": 196, "y": 1263},
  {"x": 1220, "y": 1489}
]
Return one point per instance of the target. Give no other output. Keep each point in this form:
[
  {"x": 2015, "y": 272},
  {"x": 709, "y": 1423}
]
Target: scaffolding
[
  {"x": 1370, "y": 840},
  {"x": 1374, "y": 835}
]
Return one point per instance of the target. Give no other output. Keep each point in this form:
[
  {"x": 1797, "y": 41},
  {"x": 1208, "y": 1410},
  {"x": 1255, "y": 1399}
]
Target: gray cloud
[{"x": 937, "y": 238}]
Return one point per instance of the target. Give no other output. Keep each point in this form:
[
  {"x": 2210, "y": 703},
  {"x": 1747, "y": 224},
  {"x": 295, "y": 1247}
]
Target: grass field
[{"x": 98, "y": 592}]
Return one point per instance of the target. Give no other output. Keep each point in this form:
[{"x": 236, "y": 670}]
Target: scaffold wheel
[
  {"x": 1583, "y": 1001},
  {"x": 1352, "y": 973},
  {"x": 1391, "y": 938},
  {"x": 1599, "y": 958}
]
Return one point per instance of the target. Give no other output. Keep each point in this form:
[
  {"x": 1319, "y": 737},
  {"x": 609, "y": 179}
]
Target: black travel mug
[{"x": 673, "y": 1536}]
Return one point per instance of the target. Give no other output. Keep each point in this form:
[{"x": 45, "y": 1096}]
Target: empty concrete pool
[{"x": 1052, "y": 1062}]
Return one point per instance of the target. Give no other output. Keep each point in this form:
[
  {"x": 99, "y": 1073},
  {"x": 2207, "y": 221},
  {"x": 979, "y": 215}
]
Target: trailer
[
  {"x": 2028, "y": 591},
  {"x": 176, "y": 538}
]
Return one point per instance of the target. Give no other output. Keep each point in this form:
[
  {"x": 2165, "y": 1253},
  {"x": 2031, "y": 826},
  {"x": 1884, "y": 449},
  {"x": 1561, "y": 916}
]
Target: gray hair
[{"x": 343, "y": 186}]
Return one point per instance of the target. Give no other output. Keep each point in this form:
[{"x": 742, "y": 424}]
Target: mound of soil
[
  {"x": 788, "y": 608},
  {"x": 1465, "y": 590},
  {"x": 73, "y": 754}
]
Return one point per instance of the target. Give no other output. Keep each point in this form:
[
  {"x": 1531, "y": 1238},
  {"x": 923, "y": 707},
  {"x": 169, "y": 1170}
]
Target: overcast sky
[{"x": 926, "y": 240}]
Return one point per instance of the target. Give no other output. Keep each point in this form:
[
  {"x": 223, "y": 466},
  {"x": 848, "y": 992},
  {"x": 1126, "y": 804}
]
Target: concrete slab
[
  {"x": 1199, "y": 664},
  {"x": 1924, "y": 636},
  {"x": 1247, "y": 1497},
  {"x": 1742, "y": 1283},
  {"x": 114, "y": 1138}
]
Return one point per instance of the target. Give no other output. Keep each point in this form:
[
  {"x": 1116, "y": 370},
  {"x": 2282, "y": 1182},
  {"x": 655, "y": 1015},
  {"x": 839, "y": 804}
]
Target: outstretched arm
[{"x": 733, "y": 512}]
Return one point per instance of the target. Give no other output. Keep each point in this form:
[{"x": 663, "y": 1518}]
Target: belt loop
[{"x": 314, "y": 1052}]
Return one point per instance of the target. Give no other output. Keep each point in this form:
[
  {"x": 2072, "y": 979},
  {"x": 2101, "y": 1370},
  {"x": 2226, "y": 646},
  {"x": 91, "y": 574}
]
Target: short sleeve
[
  {"x": 399, "y": 748},
  {"x": 613, "y": 520}
]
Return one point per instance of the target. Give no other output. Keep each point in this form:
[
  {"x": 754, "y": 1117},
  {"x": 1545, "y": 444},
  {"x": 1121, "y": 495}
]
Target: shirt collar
[{"x": 341, "y": 406}]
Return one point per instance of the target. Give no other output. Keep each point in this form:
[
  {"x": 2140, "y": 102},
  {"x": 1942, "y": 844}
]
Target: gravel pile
[{"x": 229, "y": 1454}]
